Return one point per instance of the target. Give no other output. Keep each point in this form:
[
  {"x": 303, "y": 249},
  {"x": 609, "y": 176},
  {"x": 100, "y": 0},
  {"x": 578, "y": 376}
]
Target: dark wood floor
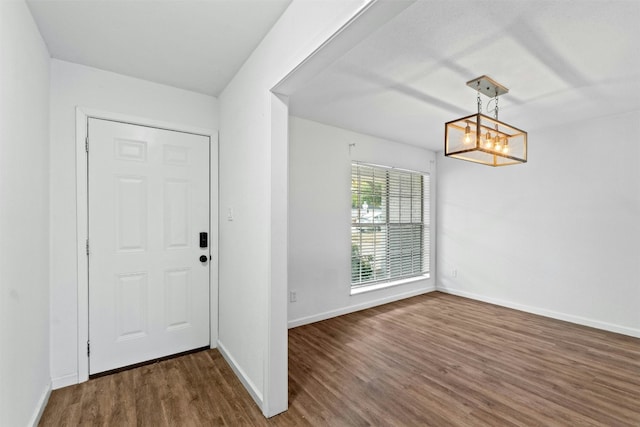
[{"x": 434, "y": 360}]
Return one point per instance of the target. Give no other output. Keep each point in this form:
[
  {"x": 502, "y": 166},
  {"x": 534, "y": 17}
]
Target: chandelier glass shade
[{"x": 483, "y": 139}]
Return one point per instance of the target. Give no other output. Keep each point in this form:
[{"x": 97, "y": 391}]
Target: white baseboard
[
  {"x": 357, "y": 307},
  {"x": 42, "y": 404},
  {"x": 547, "y": 313},
  {"x": 242, "y": 376},
  {"x": 64, "y": 381}
]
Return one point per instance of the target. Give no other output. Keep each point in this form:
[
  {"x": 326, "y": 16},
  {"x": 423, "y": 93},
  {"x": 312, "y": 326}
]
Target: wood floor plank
[{"x": 431, "y": 360}]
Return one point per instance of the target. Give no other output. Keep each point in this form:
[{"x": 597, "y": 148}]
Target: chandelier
[{"x": 483, "y": 139}]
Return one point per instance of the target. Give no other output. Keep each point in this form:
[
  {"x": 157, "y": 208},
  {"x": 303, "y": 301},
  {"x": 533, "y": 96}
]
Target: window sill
[{"x": 385, "y": 285}]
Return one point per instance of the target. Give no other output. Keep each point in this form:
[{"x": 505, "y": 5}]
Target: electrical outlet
[
  {"x": 293, "y": 296},
  {"x": 454, "y": 272}
]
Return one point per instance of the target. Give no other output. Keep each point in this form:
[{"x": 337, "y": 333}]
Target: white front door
[{"x": 148, "y": 266}]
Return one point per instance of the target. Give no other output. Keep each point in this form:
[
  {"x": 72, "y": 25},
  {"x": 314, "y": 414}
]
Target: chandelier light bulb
[
  {"x": 488, "y": 140},
  {"x": 505, "y": 148},
  {"x": 467, "y": 134},
  {"x": 499, "y": 142}
]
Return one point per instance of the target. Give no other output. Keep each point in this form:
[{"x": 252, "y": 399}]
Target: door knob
[{"x": 203, "y": 258}]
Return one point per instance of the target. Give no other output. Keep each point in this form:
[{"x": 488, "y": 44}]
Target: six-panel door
[{"x": 148, "y": 204}]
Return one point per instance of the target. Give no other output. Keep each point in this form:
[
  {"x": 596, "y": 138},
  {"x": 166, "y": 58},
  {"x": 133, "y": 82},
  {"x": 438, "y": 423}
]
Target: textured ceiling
[
  {"x": 194, "y": 45},
  {"x": 562, "y": 61}
]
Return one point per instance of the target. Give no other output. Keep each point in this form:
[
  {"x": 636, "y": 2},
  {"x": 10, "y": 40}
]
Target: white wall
[
  {"x": 320, "y": 217},
  {"x": 557, "y": 236},
  {"x": 25, "y": 381},
  {"x": 253, "y": 329},
  {"x": 75, "y": 85}
]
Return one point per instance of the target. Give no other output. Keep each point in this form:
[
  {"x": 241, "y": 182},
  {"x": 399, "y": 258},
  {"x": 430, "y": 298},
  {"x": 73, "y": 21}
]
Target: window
[{"x": 389, "y": 224}]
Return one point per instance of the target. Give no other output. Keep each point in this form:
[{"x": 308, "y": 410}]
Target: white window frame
[{"x": 362, "y": 225}]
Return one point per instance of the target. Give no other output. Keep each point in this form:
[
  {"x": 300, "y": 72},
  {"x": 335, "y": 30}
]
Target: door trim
[{"x": 82, "y": 116}]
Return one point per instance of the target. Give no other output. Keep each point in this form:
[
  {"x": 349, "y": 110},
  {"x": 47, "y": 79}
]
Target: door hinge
[
  {"x": 87, "y": 247},
  {"x": 86, "y": 144},
  {"x": 88, "y": 348}
]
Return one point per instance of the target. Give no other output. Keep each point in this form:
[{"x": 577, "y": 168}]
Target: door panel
[
  {"x": 148, "y": 203},
  {"x": 176, "y": 214},
  {"x": 131, "y": 213},
  {"x": 131, "y": 306}
]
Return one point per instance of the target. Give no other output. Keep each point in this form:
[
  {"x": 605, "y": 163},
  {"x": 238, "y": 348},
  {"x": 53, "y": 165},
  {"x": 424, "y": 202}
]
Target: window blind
[{"x": 389, "y": 224}]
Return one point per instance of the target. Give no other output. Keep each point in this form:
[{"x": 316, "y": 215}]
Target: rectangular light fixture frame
[{"x": 474, "y": 146}]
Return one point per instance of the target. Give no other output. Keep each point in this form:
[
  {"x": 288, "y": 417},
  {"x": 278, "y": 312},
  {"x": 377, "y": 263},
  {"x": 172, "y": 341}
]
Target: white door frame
[{"x": 82, "y": 116}]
